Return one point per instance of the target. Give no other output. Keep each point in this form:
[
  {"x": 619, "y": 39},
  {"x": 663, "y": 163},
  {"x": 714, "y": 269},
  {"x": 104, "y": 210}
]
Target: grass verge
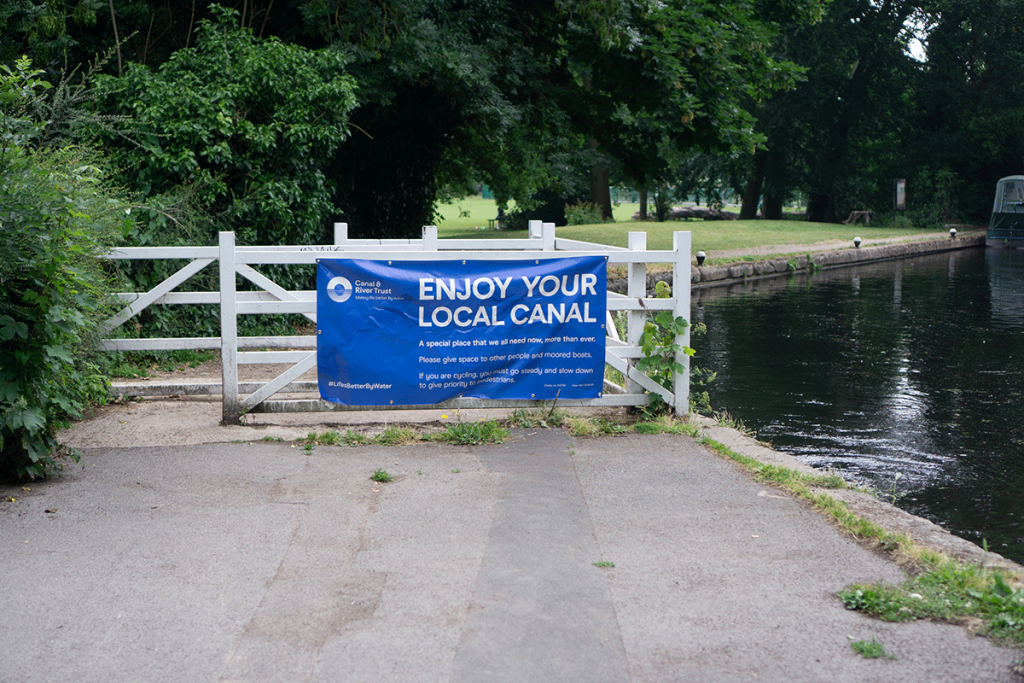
[{"x": 939, "y": 589}]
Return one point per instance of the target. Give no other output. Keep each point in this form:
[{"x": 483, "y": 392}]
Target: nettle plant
[
  {"x": 56, "y": 213},
  {"x": 659, "y": 346}
]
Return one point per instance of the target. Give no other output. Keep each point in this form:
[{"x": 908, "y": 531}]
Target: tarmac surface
[{"x": 183, "y": 551}]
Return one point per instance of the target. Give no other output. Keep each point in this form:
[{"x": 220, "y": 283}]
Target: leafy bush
[
  {"x": 234, "y": 133},
  {"x": 936, "y": 200},
  {"x": 547, "y": 206},
  {"x": 584, "y": 213},
  {"x": 55, "y": 215},
  {"x": 249, "y": 124},
  {"x": 658, "y": 344}
]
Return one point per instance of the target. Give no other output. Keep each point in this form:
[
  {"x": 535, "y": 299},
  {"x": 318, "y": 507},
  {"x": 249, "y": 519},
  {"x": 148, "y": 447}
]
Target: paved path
[{"x": 259, "y": 562}]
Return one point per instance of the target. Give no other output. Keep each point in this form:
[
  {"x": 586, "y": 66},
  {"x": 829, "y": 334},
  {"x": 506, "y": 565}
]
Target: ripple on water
[{"x": 911, "y": 371}]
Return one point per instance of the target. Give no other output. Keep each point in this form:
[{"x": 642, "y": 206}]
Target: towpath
[{"x": 184, "y": 551}]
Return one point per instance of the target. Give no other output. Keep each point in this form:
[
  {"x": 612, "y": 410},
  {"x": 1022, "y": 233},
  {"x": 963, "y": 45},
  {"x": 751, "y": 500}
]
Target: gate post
[
  {"x": 636, "y": 288},
  {"x": 681, "y": 295},
  {"x": 228, "y": 330},
  {"x": 429, "y": 238},
  {"x": 340, "y": 233}
]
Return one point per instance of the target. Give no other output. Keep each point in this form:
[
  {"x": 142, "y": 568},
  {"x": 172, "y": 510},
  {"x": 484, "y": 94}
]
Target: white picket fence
[{"x": 299, "y": 352}]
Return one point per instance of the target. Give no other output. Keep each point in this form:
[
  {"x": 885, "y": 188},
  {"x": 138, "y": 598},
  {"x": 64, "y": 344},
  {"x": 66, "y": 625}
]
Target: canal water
[{"x": 905, "y": 376}]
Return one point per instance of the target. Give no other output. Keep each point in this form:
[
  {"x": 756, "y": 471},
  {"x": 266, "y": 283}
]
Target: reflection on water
[
  {"x": 912, "y": 367},
  {"x": 1005, "y": 268}
]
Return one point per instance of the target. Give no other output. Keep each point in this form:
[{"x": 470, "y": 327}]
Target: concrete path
[{"x": 259, "y": 562}]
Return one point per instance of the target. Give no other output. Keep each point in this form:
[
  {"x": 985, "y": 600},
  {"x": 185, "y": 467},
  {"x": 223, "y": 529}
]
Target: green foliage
[
  {"x": 584, "y": 213},
  {"x": 870, "y": 650},
  {"x": 395, "y": 435},
  {"x": 513, "y": 93},
  {"x": 233, "y": 133},
  {"x": 21, "y": 91},
  {"x": 139, "y": 364},
  {"x": 936, "y": 199},
  {"x": 334, "y": 438},
  {"x": 901, "y": 222},
  {"x": 946, "y": 591},
  {"x": 474, "y": 433},
  {"x": 608, "y": 427},
  {"x": 45, "y": 27},
  {"x": 969, "y": 107},
  {"x": 659, "y": 346},
  {"x": 353, "y": 439},
  {"x": 392, "y": 435},
  {"x": 647, "y": 428},
  {"x": 56, "y": 213},
  {"x": 381, "y": 475},
  {"x": 665, "y": 424},
  {"x": 545, "y": 419},
  {"x": 248, "y": 124}
]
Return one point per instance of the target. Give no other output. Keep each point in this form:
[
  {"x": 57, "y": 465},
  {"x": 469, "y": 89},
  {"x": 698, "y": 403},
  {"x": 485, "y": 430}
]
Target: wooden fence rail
[{"x": 299, "y": 351}]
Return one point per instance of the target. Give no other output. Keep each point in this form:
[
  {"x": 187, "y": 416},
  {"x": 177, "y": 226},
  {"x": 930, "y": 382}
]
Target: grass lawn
[
  {"x": 466, "y": 214},
  {"x": 468, "y": 218},
  {"x": 712, "y": 236}
]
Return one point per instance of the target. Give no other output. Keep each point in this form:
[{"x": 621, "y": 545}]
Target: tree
[
  {"x": 969, "y": 122},
  {"x": 498, "y": 90},
  {"x": 858, "y": 70},
  {"x": 251, "y": 124},
  {"x": 506, "y": 89}
]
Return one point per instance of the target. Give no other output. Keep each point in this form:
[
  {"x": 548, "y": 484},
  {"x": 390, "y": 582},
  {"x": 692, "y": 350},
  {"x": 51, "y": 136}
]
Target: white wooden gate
[{"x": 299, "y": 352}]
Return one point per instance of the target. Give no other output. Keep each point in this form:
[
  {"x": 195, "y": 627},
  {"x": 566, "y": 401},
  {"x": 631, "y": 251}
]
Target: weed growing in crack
[
  {"x": 395, "y": 435},
  {"x": 870, "y": 650},
  {"x": 381, "y": 475},
  {"x": 473, "y": 433}
]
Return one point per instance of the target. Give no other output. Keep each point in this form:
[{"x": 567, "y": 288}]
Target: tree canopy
[
  {"x": 821, "y": 97},
  {"x": 512, "y": 92},
  {"x": 251, "y": 125},
  {"x": 870, "y": 111}
]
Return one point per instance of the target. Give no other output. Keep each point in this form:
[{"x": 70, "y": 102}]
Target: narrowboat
[{"x": 1006, "y": 227}]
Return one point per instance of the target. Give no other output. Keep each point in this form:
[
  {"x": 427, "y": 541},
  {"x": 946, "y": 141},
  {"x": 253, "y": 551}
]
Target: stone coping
[{"x": 710, "y": 276}]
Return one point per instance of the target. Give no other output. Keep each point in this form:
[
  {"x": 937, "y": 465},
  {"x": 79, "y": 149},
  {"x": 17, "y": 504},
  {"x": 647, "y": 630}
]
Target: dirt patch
[{"x": 210, "y": 371}]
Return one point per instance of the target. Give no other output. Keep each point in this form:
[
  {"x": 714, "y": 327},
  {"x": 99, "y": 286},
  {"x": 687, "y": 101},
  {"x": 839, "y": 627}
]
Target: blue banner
[{"x": 424, "y": 332}]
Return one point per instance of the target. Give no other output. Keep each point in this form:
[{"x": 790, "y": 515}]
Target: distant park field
[{"x": 469, "y": 218}]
